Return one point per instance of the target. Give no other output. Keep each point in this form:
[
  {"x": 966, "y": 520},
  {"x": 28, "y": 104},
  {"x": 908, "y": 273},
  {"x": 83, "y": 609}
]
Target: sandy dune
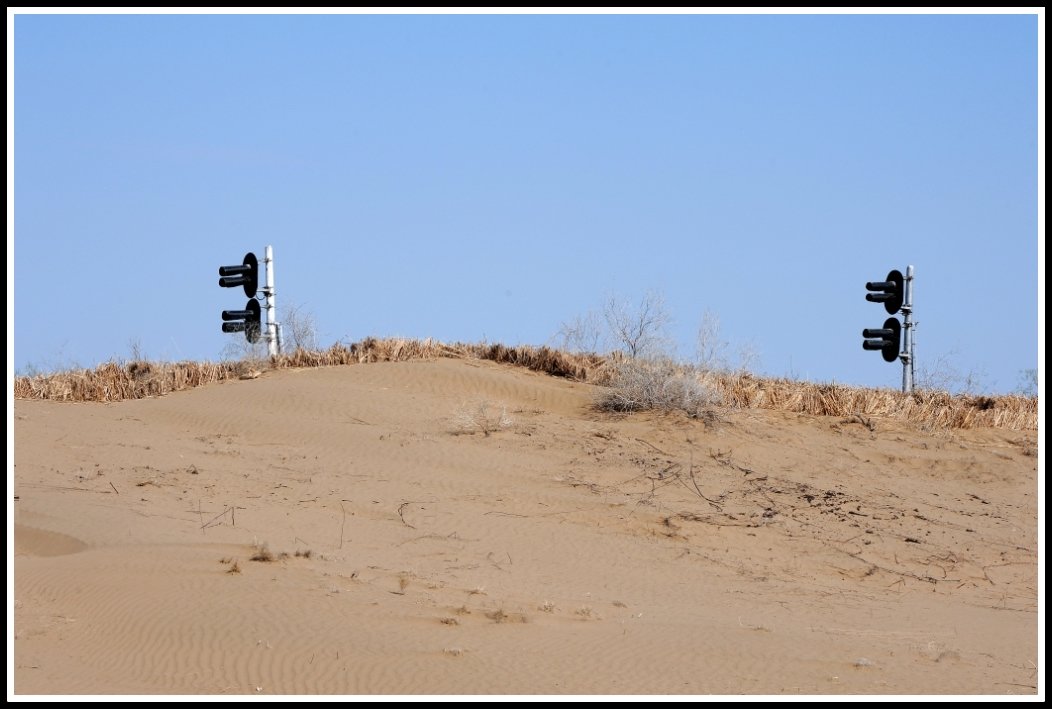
[{"x": 565, "y": 552}]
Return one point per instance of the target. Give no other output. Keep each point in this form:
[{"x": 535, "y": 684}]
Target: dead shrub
[
  {"x": 658, "y": 384},
  {"x": 481, "y": 416}
]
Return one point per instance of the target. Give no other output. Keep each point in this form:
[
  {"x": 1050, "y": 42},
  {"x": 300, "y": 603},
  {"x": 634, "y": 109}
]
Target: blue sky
[{"x": 492, "y": 177}]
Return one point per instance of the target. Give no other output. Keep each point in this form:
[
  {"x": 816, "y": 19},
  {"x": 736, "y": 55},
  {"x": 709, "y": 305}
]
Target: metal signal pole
[
  {"x": 907, "y": 341},
  {"x": 273, "y": 329}
]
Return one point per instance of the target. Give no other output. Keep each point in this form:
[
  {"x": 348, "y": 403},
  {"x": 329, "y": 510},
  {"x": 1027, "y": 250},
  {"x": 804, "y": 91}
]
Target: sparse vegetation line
[{"x": 700, "y": 391}]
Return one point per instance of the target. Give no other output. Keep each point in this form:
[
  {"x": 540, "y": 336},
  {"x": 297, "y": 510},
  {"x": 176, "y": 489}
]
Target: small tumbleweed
[{"x": 482, "y": 416}]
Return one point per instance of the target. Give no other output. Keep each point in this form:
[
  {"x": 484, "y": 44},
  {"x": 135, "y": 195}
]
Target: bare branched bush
[
  {"x": 640, "y": 331},
  {"x": 480, "y": 416},
  {"x": 246, "y": 356},
  {"x": 942, "y": 374},
  {"x": 582, "y": 334},
  {"x": 298, "y": 330},
  {"x": 1028, "y": 385},
  {"x": 711, "y": 347},
  {"x": 658, "y": 384},
  {"x": 714, "y": 352},
  {"x": 135, "y": 351}
]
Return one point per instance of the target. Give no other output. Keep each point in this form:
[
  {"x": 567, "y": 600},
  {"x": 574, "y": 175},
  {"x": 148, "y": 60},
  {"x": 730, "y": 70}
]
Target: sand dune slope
[{"x": 458, "y": 526}]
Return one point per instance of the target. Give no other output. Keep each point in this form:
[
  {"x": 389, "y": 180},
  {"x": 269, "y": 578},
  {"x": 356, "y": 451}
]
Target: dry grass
[
  {"x": 658, "y": 385},
  {"x": 931, "y": 409},
  {"x": 115, "y": 381},
  {"x": 482, "y": 416},
  {"x": 264, "y": 554}
]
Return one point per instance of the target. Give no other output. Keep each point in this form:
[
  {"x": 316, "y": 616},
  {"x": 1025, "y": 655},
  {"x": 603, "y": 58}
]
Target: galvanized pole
[
  {"x": 907, "y": 341},
  {"x": 273, "y": 344}
]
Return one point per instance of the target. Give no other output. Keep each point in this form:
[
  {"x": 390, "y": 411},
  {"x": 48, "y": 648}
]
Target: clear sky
[{"x": 492, "y": 177}]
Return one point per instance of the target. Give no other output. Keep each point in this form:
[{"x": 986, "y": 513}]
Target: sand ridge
[{"x": 549, "y": 549}]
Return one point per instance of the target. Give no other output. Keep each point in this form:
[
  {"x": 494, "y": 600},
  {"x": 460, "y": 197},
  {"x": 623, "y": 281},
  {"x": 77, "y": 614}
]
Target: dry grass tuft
[
  {"x": 264, "y": 554},
  {"x": 481, "y": 416},
  {"x": 699, "y": 392},
  {"x": 499, "y": 616}
]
